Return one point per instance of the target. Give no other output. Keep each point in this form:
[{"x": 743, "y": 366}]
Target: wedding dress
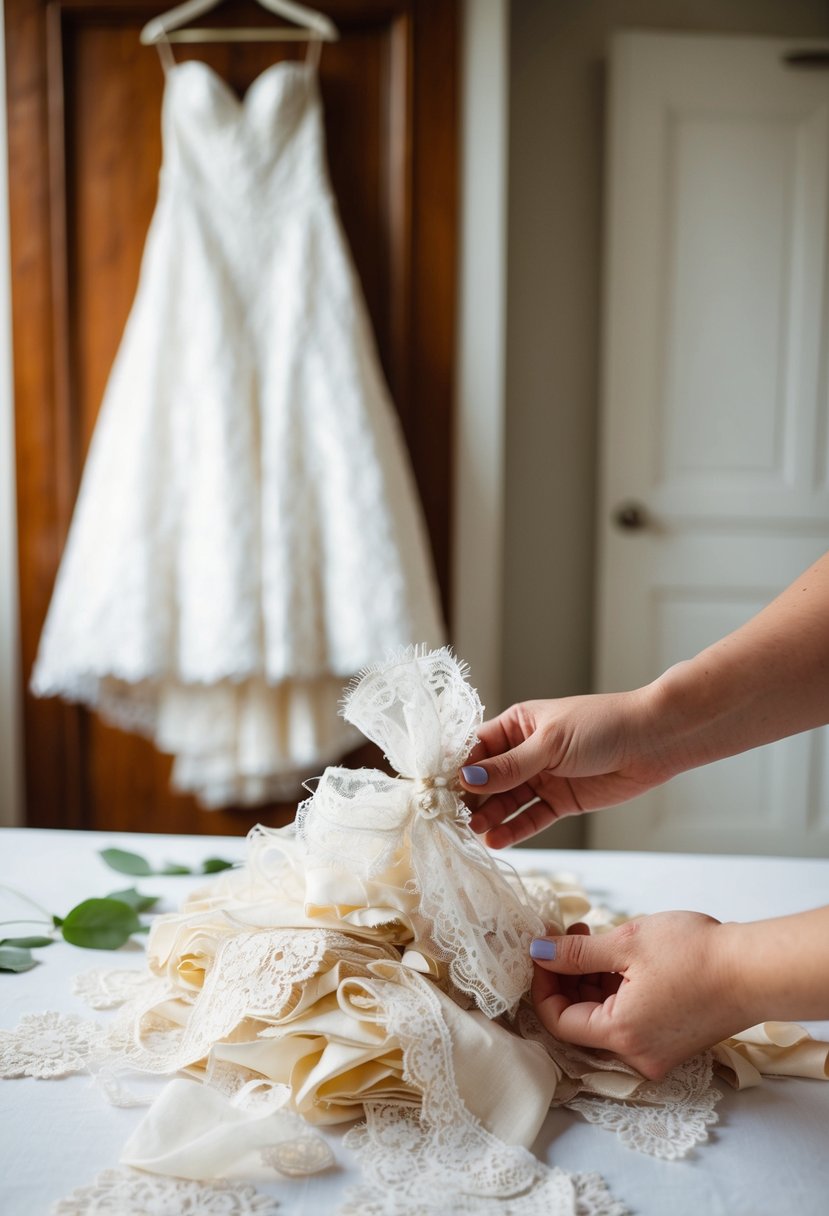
[
  {"x": 247, "y": 534},
  {"x": 372, "y": 961}
]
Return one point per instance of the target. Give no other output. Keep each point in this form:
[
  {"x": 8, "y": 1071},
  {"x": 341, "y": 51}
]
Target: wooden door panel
[{"x": 84, "y": 145}]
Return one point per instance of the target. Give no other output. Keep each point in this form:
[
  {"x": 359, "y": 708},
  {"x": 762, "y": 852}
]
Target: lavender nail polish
[
  {"x": 473, "y": 774},
  {"x": 543, "y": 950}
]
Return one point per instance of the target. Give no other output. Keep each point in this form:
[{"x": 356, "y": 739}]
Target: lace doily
[
  {"x": 51, "y": 1045},
  {"x": 126, "y": 1192}
]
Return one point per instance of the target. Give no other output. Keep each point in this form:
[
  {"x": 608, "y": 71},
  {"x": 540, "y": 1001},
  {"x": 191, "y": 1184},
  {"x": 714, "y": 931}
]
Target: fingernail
[
  {"x": 542, "y": 949},
  {"x": 473, "y": 774}
]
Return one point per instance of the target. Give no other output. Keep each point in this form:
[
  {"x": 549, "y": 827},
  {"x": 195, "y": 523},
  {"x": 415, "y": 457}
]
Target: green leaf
[
  {"x": 100, "y": 924},
  {"x": 126, "y": 863},
  {"x": 57, "y": 921},
  {"x": 27, "y": 943},
  {"x": 134, "y": 899},
  {"x": 172, "y": 868},
  {"x": 214, "y": 864},
  {"x": 12, "y": 959}
]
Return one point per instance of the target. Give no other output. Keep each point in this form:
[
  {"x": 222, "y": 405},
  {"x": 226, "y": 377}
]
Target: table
[{"x": 766, "y": 1156}]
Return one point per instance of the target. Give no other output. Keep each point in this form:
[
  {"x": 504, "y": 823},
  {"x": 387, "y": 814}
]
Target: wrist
[
  {"x": 749, "y": 995},
  {"x": 700, "y": 711},
  {"x": 781, "y": 966},
  {"x": 667, "y": 723}
]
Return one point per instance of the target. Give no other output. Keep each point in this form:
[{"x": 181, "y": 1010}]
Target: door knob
[{"x": 630, "y": 516}]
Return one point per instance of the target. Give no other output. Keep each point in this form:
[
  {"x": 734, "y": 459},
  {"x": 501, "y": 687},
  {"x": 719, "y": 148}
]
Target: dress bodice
[{"x": 262, "y": 152}]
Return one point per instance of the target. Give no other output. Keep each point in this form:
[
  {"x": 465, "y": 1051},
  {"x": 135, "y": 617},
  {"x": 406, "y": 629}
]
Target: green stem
[
  {"x": 29, "y": 920},
  {"x": 4, "y": 886}
]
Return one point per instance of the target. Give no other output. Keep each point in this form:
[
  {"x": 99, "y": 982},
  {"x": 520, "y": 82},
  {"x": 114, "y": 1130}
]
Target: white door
[{"x": 715, "y": 431}]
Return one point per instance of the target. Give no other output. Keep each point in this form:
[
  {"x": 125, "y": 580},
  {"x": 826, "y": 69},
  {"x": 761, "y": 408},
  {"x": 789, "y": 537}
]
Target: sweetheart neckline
[{"x": 241, "y": 103}]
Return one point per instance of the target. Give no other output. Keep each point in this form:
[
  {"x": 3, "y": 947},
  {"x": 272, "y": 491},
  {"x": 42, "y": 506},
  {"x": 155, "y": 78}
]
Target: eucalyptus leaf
[
  {"x": 126, "y": 863},
  {"x": 172, "y": 868},
  {"x": 214, "y": 864},
  {"x": 27, "y": 943},
  {"x": 134, "y": 899},
  {"x": 100, "y": 924},
  {"x": 14, "y": 959}
]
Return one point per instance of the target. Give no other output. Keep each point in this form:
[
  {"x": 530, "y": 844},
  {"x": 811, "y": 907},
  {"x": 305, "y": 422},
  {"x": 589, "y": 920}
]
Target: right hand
[{"x": 574, "y": 754}]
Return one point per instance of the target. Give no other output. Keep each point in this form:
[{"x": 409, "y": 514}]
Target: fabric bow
[{"x": 419, "y": 707}]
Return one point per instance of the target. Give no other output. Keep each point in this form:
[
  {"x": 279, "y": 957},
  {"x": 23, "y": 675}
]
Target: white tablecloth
[{"x": 766, "y": 1157}]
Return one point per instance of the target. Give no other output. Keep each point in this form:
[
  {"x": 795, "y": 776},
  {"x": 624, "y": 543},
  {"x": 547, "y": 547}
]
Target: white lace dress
[{"x": 247, "y": 533}]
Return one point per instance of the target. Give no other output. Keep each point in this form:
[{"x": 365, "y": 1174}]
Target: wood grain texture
[{"x": 84, "y": 147}]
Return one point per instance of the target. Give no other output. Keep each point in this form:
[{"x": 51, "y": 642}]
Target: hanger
[{"x": 167, "y": 27}]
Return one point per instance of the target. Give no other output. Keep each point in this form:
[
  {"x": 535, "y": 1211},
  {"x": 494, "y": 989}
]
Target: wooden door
[
  {"x": 84, "y": 147},
  {"x": 715, "y": 444}
]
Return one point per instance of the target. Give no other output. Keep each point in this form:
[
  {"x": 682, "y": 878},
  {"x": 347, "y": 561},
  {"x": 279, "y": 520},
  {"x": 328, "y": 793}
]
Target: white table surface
[{"x": 766, "y": 1157}]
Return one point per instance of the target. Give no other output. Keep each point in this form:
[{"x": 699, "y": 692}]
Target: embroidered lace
[{"x": 440, "y": 1149}]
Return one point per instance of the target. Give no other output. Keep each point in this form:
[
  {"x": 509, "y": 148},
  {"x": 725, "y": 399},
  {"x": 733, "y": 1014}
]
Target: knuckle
[
  {"x": 627, "y": 1042},
  {"x": 627, "y": 932},
  {"x": 574, "y": 947},
  {"x": 507, "y": 768}
]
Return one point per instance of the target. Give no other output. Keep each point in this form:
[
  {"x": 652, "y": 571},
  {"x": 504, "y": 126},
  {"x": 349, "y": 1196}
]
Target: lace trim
[
  {"x": 252, "y": 973},
  {"x": 440, "y": 1152}
]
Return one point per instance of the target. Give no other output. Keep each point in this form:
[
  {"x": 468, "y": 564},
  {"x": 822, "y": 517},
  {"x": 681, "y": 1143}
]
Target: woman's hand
[
  {"x": 654, "y": 991},
  {"x": 574, "y": 754}
]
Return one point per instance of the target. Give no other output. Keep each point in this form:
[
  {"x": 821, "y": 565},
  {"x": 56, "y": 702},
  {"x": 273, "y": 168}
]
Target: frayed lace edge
[{"x": 398, "y": 657}]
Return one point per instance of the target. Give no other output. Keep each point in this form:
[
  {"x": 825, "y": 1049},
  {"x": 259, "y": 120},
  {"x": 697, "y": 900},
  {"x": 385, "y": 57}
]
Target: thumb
[
  {"x": 512, "y": 768},
  {"x": 582, "y": 954}
]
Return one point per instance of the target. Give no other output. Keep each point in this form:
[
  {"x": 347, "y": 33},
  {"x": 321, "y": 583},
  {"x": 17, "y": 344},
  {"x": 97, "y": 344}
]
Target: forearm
[
  {"x": 767, "y": 680},
  {"x": 780, "y": 968}
]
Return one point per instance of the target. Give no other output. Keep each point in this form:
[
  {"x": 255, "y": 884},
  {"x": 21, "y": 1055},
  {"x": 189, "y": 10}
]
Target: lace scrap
[
  {"x": 420, "y": 709},
  {"x": 438, "y": 1157}
]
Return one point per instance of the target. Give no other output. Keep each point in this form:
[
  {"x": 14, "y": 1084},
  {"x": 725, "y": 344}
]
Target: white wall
[{"x": 10, "y": 765}]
